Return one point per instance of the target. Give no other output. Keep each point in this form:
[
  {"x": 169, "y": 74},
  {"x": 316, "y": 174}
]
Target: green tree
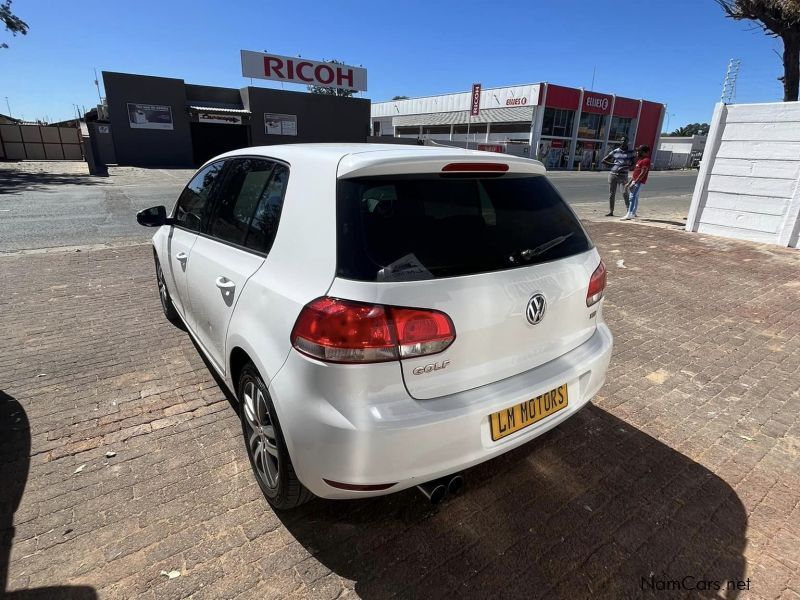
[
  {"x": 328, "y": 91},
  {"x": 11, "y": 21},
  {"x": 777, "y": 18},
  {"x": 690, "y": 130}
]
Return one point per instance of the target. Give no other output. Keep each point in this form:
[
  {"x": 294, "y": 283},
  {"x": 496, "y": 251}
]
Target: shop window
[
  {"x": 436, "y": 130},
  {"x": 558, "y": 122},
  {"x": 406, "y": 131},
  {"x": 519, "y": 128},
  {"x": 620, "y": 127},
  {"x": 592, "y": 126},
  {"x": 474, "y": 128}
]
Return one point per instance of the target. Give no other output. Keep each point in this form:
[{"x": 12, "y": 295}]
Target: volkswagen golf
[{"x": 387, "y": 316}]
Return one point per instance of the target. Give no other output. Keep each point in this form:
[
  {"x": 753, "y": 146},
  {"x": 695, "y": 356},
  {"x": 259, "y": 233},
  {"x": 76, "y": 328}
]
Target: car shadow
[
  {"x": 594, "y": 508},
  {"x": 13, "y": 181},
  {"x": 15, "y": 452}
]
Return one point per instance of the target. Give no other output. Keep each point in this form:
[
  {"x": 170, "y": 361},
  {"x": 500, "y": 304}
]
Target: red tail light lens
[
  {"x": 597, "y": 284},
  {"x": 335, "y": 330}
]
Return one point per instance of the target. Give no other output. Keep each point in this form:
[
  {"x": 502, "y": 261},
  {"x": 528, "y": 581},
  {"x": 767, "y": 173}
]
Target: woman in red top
[{"x": 638, "y": 179}]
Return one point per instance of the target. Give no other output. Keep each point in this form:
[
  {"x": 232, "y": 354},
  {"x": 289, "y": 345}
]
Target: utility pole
[
  {"x": 97, "y": 85},
  {"x": 8, "y": 106}
]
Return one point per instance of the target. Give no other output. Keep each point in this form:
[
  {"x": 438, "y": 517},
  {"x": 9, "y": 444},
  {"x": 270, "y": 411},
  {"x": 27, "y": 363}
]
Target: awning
[
  {"x": 217, "y": 109},
  {"x": 461, "y": 117}
]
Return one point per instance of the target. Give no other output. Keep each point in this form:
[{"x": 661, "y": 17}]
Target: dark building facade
[{"x": 159, "y": 121}]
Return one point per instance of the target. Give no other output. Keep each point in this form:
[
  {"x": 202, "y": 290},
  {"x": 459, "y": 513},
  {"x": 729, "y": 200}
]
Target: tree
[
  {"x": 400, "y": 98},
  {"x": 11, "y": 21},
  {"x": 690, "y": 130},
  {"x": 328, "y": 91},
  {"x": 778, "y": 18}
]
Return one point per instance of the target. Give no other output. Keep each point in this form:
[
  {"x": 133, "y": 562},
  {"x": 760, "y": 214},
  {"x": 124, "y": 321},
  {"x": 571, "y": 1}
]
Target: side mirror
[{"x": 155, "y": 216}]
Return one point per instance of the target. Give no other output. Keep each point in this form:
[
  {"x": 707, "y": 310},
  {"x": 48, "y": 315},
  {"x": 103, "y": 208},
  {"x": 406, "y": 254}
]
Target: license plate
[{"x": 510, "y": 420}]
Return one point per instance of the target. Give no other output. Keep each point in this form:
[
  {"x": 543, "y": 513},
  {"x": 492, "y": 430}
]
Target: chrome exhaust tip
[{"x": 434, "y": 491}]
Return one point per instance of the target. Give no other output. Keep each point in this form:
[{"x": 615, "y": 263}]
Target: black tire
[
  {"x": 163, "y": 295},
  {"x": 265, "y": 445}
]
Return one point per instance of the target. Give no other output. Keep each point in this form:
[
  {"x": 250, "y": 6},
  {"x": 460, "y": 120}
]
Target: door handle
[
  {"x": 226, "y": 284},
  {"x": 181, "y": 256}
]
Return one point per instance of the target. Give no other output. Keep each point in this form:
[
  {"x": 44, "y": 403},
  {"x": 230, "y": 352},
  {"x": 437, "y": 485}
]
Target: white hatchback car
[{"x": 386, "y": 315}]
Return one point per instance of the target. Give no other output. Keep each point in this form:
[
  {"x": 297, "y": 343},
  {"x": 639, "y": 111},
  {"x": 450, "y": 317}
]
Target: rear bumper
[{"x": 381, "y": 435}]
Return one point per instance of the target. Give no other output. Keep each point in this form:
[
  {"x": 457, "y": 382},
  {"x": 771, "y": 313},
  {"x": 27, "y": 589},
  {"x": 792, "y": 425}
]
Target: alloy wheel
[
  {"x": 162, "y": 288},
  {"x": 261, "y": 441}
]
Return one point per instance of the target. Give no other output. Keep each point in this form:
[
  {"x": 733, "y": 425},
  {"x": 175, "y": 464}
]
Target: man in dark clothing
[{"x": 620, "y": 159}]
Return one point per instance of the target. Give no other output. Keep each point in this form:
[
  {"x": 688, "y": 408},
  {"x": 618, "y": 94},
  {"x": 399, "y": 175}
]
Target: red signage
[
  {"x": 557, "y": 143},
  {"x": 491, "y": 147},
  {"x": 596, "y": 103},
  {"x": 475, "y": 102}
]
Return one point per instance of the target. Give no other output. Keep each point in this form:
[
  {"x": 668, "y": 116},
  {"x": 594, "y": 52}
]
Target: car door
[
  {"x": 191, "y": 212},
  {"x": 231, "y": 251}
]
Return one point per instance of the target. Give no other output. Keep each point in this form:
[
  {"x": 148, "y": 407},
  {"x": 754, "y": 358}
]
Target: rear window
[{"x": 409, "y": 228}]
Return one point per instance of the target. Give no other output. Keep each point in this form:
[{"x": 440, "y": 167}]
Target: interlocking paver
[{"x": 686, "y": 464}]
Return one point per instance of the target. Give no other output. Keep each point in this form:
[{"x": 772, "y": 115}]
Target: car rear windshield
[{"x": 414, "y": 227}]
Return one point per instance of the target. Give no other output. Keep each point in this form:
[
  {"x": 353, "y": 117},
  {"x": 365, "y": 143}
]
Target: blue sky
[{"x": 674, "y": 52}]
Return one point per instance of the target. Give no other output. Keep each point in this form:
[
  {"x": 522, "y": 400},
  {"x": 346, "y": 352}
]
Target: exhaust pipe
[
  {"x": 455, "y": 484},
  {"x": 434, "y": 490}
]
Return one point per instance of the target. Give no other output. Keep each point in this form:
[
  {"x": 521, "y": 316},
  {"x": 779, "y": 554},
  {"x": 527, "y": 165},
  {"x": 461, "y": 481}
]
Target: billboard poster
[
  {"x": 149, "y": 116},
  {"x": 277, "y": 124},
  {"x": 300, "y": 70}
]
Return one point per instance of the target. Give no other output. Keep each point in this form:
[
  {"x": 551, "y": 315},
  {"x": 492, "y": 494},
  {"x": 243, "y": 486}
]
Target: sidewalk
[{"x": 688, "y": 464}]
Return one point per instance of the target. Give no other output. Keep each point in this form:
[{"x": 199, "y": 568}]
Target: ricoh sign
[{"x": 300, "y": 70}]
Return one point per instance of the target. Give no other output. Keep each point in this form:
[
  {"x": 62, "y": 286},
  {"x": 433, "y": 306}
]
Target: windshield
[{"x": 408, "y": 228}]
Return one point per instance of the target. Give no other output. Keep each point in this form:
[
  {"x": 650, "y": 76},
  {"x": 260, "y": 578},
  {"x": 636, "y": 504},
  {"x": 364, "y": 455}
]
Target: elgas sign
[{"x": 300, "y": 70}]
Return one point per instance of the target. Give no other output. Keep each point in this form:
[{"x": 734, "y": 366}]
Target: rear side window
[
  {"x": 406, "y": 228},
  {"x": 268, "y": 213},
  {"x": 239, "y": 195},
  {"x": 192, "y": 207}
]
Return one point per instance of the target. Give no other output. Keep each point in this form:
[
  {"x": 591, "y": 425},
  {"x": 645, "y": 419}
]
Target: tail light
[
  {"x": 596, "y": 285},
  {"x": 343, "y": 331}
]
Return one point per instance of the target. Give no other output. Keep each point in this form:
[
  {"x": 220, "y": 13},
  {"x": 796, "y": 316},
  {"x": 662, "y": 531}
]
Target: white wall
[{"x": 747, "y": 187}]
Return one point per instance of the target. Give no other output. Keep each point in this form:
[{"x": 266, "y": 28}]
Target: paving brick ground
[{"x": 686, "y": 465}]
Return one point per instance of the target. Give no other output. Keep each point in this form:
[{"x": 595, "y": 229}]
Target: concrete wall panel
[
  {"x": 15, "y": 150},
  {"x": 50, "y": 135},
  {"x": 754, "y": 186},
  {"x": 754, "y": 204},
  {"x": 35, "y": 151},
  {"x": 53, "y": 152},
  {"x": 746, "y": 167},
  {"x": 10, "y": 133},
  {"x": 749, "y": 182},
  {"x": 72, "y": 152}
]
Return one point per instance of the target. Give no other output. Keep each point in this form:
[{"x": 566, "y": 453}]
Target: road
[
  {"x": 52, "y": 204},
  {"x": 665, "y": 197}
]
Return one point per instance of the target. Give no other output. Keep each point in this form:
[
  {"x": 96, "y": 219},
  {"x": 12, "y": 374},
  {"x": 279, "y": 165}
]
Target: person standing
[
  {"x": 639, "y": 178},
  {"x": 620, "y": 159}
]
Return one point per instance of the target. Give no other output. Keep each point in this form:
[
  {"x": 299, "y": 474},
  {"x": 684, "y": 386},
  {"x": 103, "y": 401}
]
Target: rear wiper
[{"x": 529, "y": 253}]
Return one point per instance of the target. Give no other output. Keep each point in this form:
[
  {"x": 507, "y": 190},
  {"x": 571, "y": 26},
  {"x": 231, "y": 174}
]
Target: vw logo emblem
[{"x": 535, "y": 309}]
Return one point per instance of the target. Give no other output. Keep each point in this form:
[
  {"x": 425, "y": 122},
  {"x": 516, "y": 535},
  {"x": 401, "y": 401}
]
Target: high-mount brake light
[
  {"x": 344, "y": 331},
  {"x": 475, "y": 167}
]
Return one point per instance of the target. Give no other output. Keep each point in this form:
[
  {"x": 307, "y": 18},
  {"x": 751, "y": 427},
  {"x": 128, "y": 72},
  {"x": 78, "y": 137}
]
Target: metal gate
[{"x": 40, "y": 142}]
